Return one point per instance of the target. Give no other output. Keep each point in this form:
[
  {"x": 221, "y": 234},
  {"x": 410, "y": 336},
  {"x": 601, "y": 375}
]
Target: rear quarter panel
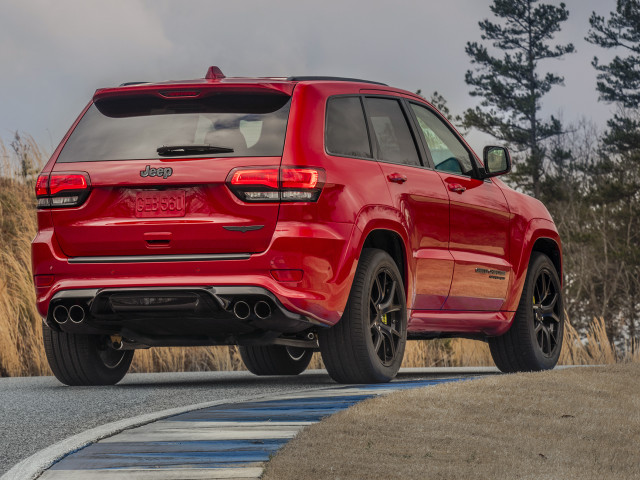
[{"x": 355, "y": 192}]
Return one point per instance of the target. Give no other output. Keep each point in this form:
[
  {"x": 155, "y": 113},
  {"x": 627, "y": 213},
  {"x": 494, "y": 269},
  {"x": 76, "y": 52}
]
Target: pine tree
[
  {"x": 511, "y": 87},
  {"x": 619, "y": 80},
  {"x": 616, "y": 178}
]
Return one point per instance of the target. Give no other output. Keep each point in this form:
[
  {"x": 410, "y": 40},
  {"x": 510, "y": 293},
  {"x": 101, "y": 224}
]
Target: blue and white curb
[{"x": 224, "y": 441}]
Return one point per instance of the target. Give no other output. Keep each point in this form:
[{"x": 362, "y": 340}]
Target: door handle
[
  {"x": 456, "y": 187},
  {"x": 396, "y": 178}
]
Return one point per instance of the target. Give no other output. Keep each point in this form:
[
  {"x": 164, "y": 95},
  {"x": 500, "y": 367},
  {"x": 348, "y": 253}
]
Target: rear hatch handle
[{"x": 157, "y": 239}]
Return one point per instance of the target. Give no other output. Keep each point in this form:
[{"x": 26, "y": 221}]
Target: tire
[
  {"x": 367, "y": 344},
  {"x": 534, "y": 341},
  {"x": 84, "y": 359},
  {"x": 276, "y": 359}
]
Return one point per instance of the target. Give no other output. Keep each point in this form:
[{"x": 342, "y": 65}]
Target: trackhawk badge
[
  {"x": 149, "y": 171},
  {"x": 493, "y": 274}
]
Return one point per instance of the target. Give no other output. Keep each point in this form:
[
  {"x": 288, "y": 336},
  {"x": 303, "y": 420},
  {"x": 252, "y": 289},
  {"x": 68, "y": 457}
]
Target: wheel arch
[
  {"x": 391, "y": 242},
  {"x": 551, "y": 249},
  {"x": 540, "y": 235}
]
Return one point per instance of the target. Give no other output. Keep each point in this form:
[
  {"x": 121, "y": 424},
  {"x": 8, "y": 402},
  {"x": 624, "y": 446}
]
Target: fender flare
[
  {"x": 522, "y": 248},
  {"x": 368, "y": 220}
]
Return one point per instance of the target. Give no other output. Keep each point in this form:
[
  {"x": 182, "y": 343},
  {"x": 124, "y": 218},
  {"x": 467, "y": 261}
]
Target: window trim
[{"x": 326, "y": 117}]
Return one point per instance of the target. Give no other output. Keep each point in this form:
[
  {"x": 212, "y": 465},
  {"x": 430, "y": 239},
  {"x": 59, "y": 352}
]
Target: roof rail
[
  {"x": 126, "y": 84},
  {"x": 338, "y": 79}
]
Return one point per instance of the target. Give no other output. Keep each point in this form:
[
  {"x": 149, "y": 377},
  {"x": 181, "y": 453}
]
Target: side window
[
  {"x": 449, "y": 155},
  {"x": 346, "y": 130},
  {"x": 392, "y": 132}
]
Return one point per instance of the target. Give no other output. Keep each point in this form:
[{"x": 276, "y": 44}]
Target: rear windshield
[{"x": 134, "y": 128}]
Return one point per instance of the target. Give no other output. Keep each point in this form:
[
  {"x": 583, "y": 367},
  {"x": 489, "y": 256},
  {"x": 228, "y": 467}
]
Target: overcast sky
[{"x": 54, "y": 54}]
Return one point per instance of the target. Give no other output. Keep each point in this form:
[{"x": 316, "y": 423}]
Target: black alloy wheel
[
  {"x": 546, "y": 317},
  {"x": 275, "y": 359},
  {"x": 534, "y": 341},
  {"x": 79, "y": 359},
  {"x": 367, "y": 344},
  {"x": 385, "y": 316}
]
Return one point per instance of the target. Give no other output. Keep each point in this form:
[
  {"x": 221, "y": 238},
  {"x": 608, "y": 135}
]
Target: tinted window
[
  {"x": 128, "y": 128},
  {"x": 346, "y": 128},
  {"x": 392, "y": 131},
  {"x": 448, "y": 153}
]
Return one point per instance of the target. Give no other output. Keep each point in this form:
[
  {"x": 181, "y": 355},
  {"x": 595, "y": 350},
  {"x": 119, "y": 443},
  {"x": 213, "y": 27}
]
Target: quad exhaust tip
[
  {"x": 242, "y": 310},
  {"x": 61, "y": 314},
  {"x": 262, "y": 310},
  {"x": 76, "y": 314}
]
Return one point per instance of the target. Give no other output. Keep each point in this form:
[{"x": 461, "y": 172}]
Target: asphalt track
[{"x": 38, "y": 412}]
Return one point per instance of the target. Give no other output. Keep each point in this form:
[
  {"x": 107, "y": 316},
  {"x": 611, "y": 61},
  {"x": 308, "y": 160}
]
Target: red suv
[{"x": 285, "y": 215}]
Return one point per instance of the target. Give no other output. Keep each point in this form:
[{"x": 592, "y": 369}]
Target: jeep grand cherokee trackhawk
[{"x": 285, "y": 215}]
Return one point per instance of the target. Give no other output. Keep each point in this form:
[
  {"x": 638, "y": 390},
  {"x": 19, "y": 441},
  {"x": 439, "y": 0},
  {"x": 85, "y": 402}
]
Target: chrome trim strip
[{"x": 161, "y": 258}]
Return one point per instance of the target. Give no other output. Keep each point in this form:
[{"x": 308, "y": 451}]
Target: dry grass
[
  {"x": 579, "y": 423},
  {"x": 198, "y": 359},
  {"x": 594, "y": 349},
  {"x": 21, "y": 351},
  {"x": 454, "y": 352}
]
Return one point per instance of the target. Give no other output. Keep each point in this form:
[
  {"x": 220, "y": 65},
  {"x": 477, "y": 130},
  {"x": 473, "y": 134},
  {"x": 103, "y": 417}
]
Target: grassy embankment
[
  {"x": 21, "y": 351},
  {"x": 579, "y": 423}
]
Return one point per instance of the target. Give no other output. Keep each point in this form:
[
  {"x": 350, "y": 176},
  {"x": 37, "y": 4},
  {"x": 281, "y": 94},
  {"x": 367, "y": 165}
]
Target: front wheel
[
  {"x": 367, "y": 344},
  {"x": 534, "y": 341},
  {"x": 84, "y": 359}
]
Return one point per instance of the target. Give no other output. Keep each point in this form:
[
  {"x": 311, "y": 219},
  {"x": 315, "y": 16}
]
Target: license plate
[{"x": 168, "y": 203}]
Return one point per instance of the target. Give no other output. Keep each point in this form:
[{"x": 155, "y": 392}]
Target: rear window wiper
[{"x": 191, "y": 149}]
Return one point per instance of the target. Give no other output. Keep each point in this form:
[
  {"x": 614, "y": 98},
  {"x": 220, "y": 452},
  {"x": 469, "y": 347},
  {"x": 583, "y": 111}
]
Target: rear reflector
[
  {"x": 276, "y": 184},
  {"x": 287, "y": 275},
  {"x": 64, "y": 189},
  {"x": 43, "y": 280}
]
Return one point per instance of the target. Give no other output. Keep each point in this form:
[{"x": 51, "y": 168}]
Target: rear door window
[
  {"x": 391, "y": 131},
  {"x": 346, "y": 129},
  {"x": 133, "y": 128}
]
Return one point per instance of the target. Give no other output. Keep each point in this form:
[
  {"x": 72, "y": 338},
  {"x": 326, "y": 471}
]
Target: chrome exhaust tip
[
  {"x": 76, "y": 314},
  {"x": 61, "y": 314},
  {"x": 242, "y": 310},
  {"x": 262, "y": 310}
]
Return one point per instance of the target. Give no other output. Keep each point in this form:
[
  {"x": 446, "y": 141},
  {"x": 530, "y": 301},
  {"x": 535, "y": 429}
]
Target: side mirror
[{"x": 497, "y": 161}]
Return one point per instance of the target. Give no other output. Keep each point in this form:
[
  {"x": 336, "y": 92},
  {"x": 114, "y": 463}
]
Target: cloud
[
  {"x": 79, "y": 37},
  {"x": 54, "y": 54}
]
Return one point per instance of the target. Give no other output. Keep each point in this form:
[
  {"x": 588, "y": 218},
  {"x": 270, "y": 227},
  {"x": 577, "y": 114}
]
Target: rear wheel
[
  {"x": 534, "y": 340},
  {"x": 275, "y": 359},
  {"x": 84, "y": 359},
  {"x": 367, "y": 344}
]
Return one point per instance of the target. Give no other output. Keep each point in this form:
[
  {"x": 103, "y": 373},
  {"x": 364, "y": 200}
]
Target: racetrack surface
[{"x": 38, "y": 411}]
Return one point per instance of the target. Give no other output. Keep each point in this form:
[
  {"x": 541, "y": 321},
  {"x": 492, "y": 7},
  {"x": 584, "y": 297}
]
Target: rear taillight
[
  {"x": 276, "y": 184},
  {"x": 62, "y": 189},
  {"x": 42, "y": 185}
]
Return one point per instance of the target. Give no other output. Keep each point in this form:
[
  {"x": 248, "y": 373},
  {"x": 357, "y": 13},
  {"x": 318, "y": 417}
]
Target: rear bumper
[
  {"x": 322, "y": 251},
  {"x": 149, "y": 316}
]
